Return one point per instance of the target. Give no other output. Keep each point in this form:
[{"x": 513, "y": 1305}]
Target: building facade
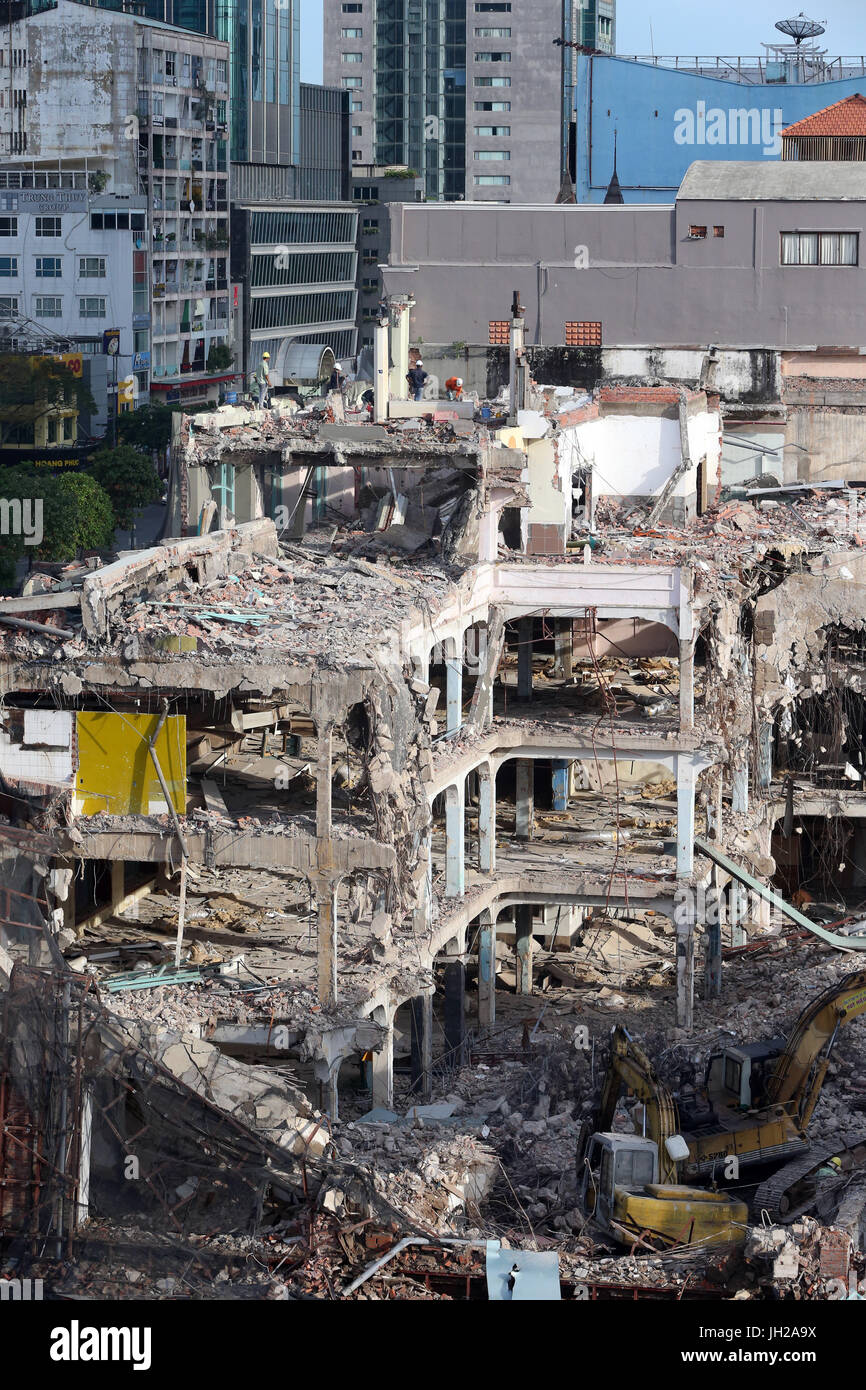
[
  {"x": 757, "y": 256},
  {"x": 468, "y": 94},
  {"x": 145, "y": 121},
  {"x": 667, "y": 112},
  {"x": 296, "y": 269}
]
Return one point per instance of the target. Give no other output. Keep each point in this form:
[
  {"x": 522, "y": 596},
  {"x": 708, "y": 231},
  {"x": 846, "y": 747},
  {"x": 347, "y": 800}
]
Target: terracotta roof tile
[{"x": 846, "y": 117}]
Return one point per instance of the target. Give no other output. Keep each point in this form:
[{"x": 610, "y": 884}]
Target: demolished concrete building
[{"x": 338, "y": 829}]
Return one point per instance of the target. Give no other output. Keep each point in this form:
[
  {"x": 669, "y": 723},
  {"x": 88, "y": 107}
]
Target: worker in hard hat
[
  {"x": 260, "y": 382},
  {"x": 338, "y": 379},
  {"x": 454, "y": 387},
  {"x": 416, "y": 377}
]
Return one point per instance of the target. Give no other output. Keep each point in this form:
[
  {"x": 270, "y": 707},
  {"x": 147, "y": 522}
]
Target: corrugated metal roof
[{"x": 798, "y": 181}]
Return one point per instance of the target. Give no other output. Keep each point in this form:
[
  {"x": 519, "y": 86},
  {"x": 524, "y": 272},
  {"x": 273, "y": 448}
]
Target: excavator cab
[
  {"x": 737, "y": 1077},
  {"x": 615, "y": 1160}
]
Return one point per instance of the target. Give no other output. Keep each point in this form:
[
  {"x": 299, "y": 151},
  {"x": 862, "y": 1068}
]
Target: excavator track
[{"x": 778, "y": 1198}]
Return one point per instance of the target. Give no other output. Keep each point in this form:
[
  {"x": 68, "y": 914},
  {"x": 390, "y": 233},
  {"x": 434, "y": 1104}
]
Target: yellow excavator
[
  {"x": 754, "y": 1107},
  {"x": 628, "y": 1184}
]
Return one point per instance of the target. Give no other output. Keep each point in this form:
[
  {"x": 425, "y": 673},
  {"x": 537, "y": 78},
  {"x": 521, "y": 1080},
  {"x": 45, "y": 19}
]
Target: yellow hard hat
[{"x": 266, "y": 354}]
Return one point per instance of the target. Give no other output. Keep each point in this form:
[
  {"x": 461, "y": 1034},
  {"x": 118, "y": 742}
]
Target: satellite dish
[{"x": 800, "y": 28}]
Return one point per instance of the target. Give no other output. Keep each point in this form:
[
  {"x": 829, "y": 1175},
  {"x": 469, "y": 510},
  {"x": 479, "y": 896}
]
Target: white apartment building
[{"x": 110, "y": 106}]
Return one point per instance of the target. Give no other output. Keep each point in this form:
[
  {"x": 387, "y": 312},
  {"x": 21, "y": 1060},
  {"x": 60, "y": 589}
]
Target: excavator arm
[
  {"x": 799, "y": 1073},
  {"x": 631, "y": 1068}
]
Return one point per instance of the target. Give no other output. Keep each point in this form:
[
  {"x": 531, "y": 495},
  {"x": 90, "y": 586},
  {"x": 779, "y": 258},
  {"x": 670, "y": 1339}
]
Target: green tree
[
  {"x": 76, "y": 515},
  {"x": 147, "y": 428},
  {"x": 130, "y": 480},
  {"x": 31, "y": 387}
]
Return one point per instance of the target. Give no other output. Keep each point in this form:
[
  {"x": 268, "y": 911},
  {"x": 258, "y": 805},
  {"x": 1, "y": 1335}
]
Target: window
[
  {"x": 116, "y": 221},
  {"x": 171, "y": 65},
  {"x": 493, "y": 57},
  {"x": 493, "y": 106},
  {"x": 8, "y": 305},
  {"x": 371, "y": 255},
  {"x": 91, "y": 308},
  {"x": 492, "y": 154},
  {"x": 493, "y": 33},
  {"x": 370, "y": 285},
  {"x": 493, "y": 9},
  {"x": 357, "y": 130},
  {"x": 352, "y": 33},
  {"x": 820, "y": 248},
  {"x": 357, "y": 156},
  {"x": 48, "y": 226},
  {"x": 352, "y": 9},
  {"x": 8, "y": 226},
  {"x": 697, "y": 233},
  {"x": 91, "y": 267},
  {"x": 582, "y": 334},
  {"x": 48, "y": 267},
  {"x": 370, "y": 224},
  {"x": 355, "y": 105},
  {"x": 366, "y": 193},
  {"x": 47, "y": 307},
  {"x": 493, "y": 130},
  {"x": 222, "y": 70},
  {"x": 491, "y": 81},
  {"x": 486, "y": 180},
  {"x": 718, "y": 231},
  {"x": 8, "y": 266},
  {"x": 352, "y": 57},
  {"x": 352, "y": 81}
]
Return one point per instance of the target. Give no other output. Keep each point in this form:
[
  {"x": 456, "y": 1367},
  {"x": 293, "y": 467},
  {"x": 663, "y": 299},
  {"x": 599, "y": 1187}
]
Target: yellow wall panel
[{"x": 116, "y": 774}]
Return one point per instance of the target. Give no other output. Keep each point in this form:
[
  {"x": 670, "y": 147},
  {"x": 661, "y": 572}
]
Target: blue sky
[{"x": 739, "y": 26}]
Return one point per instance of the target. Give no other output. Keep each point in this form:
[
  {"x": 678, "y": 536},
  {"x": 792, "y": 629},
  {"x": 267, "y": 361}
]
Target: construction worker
[
  {"x": 416, "y": 377},
  {"x": 260, "y": 382},
  {"x": 338, "y": 379},
  {"x": 454, "y": 387}
]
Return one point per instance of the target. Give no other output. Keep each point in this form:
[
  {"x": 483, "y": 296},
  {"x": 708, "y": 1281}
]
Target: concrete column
[
  {"x": 740, "y": 783},
  {"x": 383, "y": 1071},
  {"x": 560, "y": 786},
  {"x": 118, "y": 877},
  {"x": 455, "y": 1011},
  {"x": 765, "y": 754},
  {"x": 738, "y": 897},
  {"x": 565, "y": 647},
  {"x": 326, "y": 903},
  {"x": 685, "y": 974},
  {"x": 454, "y": 686},
  {"x": 524, "y": 659},
  {"x": 69, "y": 906},
  {"x": 380, "y": 371},
  {"x": 487, "y": 973},
  {"x": 486, "y": 818},
  {"x": 323, "y": 785},
  {"x": 524, "y": 798},
  {"x": 455, "y": 840},
  {"x": 685, "y": 774},
  {"x": 713, "y": 955},
  {"x": 422, "y": 1046},
  {"x": 334, "y": 1093},
  {"x": 399, "y": 346},
  {"x": 714, "y": 806},
  {"x": 523, "y": 949},
  {"x": 687, "y": 684},
  {"x": 483, "y": 658}
]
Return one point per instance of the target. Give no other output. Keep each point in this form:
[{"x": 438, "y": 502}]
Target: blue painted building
[{"x": 666, "y": 117}]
